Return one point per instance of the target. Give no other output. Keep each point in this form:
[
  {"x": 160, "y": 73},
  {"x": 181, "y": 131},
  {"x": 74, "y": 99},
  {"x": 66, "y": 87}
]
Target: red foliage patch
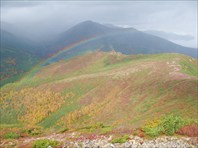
[
  {"x": 138, "y": 132},
  {"x": 141, "y": 135},
  {"x": 189, "y": 130}
]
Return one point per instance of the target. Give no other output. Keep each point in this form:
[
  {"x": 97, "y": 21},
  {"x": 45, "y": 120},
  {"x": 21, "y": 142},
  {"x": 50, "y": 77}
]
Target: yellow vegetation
[
  {"x": 34, "y": 105},
  {"x": 152, "y": 123},
  {"x": 90, "y": 110}
]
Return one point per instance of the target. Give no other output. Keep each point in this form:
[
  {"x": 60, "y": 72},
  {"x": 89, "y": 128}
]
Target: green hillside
[{"x": 109, "y": 88}]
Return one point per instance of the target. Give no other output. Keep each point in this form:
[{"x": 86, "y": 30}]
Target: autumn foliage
[
  {"x": 32, "y": 105},
  {"x": 189, "y": 130},
  {"x": 88, "y": 111}
]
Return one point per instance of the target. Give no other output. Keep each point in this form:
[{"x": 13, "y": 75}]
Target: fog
[{"x": 46, "y": 19}]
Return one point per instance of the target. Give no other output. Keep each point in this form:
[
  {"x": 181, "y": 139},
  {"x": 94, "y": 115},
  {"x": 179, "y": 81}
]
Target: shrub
[
  {"x": 122, "y": 139},
  {"x": 44, "y": 143},
  {"x": 153, "y": 132},
  {"x": 33, "y": 131},
  {"x": 189, "y": 130},
  {"x": 168, "y": 125},
  {"x": 141, "y": 135},
  {"x": 172, "y": 123},
  {"x": 11, "y": 135},
  {"x": 63, "y": 130},
  {"x": 106, "y": 129},
  {"x": 138, "y": 132},
  {"x": 153, "y": 128},
  {"x": 93, "y": 127},
  {"x": 153, "y": 123},
  {"x": 98, "y": 125}
]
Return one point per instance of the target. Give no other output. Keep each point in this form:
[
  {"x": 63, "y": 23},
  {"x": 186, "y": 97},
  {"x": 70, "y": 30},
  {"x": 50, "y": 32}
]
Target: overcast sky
[{"x": 46, "y": 18}]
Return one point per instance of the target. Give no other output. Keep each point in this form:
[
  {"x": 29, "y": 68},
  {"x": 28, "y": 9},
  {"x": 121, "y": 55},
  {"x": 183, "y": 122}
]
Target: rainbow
[
  {"x": 69, "y": 47},
  {"x": 41, "y": 64},
  {"x": 81, "y": 42}
]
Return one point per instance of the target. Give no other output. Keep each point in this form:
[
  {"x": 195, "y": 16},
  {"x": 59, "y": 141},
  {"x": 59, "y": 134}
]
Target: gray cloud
[{"x": 42, "y": 19}]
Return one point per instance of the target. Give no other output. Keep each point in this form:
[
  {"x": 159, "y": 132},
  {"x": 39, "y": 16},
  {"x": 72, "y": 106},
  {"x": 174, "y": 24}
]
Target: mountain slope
[{"x": 111, "y": 88}]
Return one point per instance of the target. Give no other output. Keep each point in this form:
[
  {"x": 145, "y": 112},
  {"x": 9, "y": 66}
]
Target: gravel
[
  {"x": 101, "y": 141},
  {"x": 134, "y": 142}
]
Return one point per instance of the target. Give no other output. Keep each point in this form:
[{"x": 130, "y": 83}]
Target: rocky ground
[
  {"x": 101, "y": 141},
  {"x": 134, "y": 142}
]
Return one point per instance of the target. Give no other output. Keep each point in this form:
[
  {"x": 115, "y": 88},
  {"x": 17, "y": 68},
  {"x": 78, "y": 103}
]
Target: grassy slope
[{"x": 111, "y": 88}]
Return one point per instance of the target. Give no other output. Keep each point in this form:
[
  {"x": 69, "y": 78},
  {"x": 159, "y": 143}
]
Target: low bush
[
  {"x": 33, "y": 131},
  {"x": 189, "y": 130},
  {"x": 93, "y": 127},
  {"x": 44, "y": 143},
  {"x": 153, "y": 132},
  {"x": 141, "y": 135},
  {"x": 171, "y": 123},
  {"x": 11, "y": 135},
  {"x": 153, "y": 128},
  {"x": 106, "y": 129},
  {"x": 98, "y": 125},
  {"x": 63, "y": 130},
  {"x": 122, "y": 139},
  {"x": 138, "y": 132},
  {"x": 167, "y": 125}
]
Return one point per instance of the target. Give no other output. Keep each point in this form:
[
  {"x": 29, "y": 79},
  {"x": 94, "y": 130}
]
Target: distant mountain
[
  {"x": 11, "y": 40},
  {"x": 170, "y": 36},
  {"x": 184, "y": 40},
  {"x": 15, "y": 37},
  {"x": 106, "y": 38},
  {"x": 17, "y": 57},
  {"x": 81, "y": 31}
]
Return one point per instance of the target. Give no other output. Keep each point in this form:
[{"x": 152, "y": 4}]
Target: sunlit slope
[{"x": 112, "y": 88}]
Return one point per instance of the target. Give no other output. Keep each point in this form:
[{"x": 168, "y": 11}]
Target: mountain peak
[
  {"x": 88, "y": 22},
  {"x": 86, "y": 29}
]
